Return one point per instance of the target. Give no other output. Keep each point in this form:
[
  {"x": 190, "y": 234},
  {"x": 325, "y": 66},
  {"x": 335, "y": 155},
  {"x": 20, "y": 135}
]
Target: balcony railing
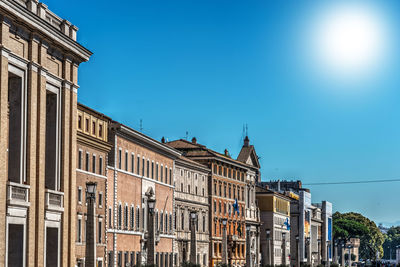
[
  {"x": 54, "y": 200},
  {"x": 17, "y": 194}
]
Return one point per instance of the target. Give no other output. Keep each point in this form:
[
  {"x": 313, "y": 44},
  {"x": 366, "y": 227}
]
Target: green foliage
[
  {"x": 346, "y": 257},
  {"x": 348, "y": 225},
  {"x": 392, "y": 239}
]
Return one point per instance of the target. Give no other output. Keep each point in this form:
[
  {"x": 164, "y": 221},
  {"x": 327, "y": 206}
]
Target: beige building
[
  {"x": 191, "y": 195},
  {"x": 92, "y": 153},
  {"x": 139, "y": 166},
  {"x": 275, "y": 227},
  {"x": 38, "y": 110}
]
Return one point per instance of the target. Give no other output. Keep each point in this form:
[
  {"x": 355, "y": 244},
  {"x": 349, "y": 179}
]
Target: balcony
[
  {"x": 54, "y": 200},
  {"x": 17, "y": 194}
]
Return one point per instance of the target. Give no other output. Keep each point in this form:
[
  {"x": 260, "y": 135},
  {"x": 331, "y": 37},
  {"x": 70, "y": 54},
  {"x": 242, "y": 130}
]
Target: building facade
[
  {"x": 140, "y": 169},
  {"x": 92, "y": 155},
  {"x": 249, "y": 156},
  {"x": 275, "y": 227},
  {"x": 38, "y": 110},
  {"x": 191, "y": 196},
  {"x": 227, "y": 201}
]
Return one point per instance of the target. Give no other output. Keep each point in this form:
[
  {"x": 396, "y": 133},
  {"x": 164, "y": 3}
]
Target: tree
[
  {"x": 348, "y": 225},
  {"x": 392, "y": 239}
]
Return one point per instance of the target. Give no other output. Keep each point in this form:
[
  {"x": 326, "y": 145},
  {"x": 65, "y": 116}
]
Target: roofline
[
  {"x": 46, "y": 28},
  {"x": 93, "y": 110},
  {"x": 147, "y": 140},
  {"x": 194, "y": 164}
]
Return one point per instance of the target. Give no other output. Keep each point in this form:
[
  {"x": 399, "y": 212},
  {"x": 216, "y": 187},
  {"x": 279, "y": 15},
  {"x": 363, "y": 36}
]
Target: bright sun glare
[{"x": 349, "y": 40}]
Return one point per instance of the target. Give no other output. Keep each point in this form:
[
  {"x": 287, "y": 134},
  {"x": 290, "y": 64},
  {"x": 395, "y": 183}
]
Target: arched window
[
  {"x": 132, "y": 217},
  {"x": 166, "y": 222},
  {"x": 126, "y": 217}
]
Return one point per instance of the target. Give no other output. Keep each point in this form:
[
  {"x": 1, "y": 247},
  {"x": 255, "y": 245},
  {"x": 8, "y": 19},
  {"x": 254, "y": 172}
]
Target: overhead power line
[{"x": 356, "y": 182}]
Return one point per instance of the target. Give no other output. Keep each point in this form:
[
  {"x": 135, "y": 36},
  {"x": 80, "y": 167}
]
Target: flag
[
  {"x": 287, "y": 224},
  {"x": 236, "y": 207}
]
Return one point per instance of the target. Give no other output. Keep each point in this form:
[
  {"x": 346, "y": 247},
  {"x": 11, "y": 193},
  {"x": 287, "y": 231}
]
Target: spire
[{"x": 246, "y": 141}]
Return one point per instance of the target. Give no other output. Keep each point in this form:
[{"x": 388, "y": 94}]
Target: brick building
[
  {"x": 226, "y": 185},
  {"x": 92, "y": 153},
  {"x": 139, "y": 166},
  {"x": 38, "y": 109},
  {"x": 191, "y": 195}
]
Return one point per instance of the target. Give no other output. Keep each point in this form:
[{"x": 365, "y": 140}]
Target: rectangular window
[
  {"x": 110, "y": 220},
  {"x": 132, "y": 163},
  {"x": 142, "y": 167},
  {"x": 79, "y": 194},
  {"x": 126, "y": 160},
  {"x": 157, "y": 171},
  {"x": 166, "y": 174},
  {"x": 170, "y": 176},
  {"x": 138, "y": 166},
  {"x": 148, "y": 168},
  {"x": 100, "y": 130},
  {"x": 79, "y": 231},
  {"x": 162, "y": 173},
  {"x": 51, "y": 140},
  {"x": 101, "y": 166},
  {"x": 94, "y": 163},
  {"x": 79, "y": 122},
  {"x": 87, "y": 162},
  {"x": 100, "y": 199},
  {"x": 94, "y": 128},
  {"x": 87, "y": 125},
  {"x": 120, "y": 159},
  {"x": 80, "y": 159},
  {"x": 132, "y": 217},
  {"x": 99, "y": 237},
  {"x": 152, "y": 170}
]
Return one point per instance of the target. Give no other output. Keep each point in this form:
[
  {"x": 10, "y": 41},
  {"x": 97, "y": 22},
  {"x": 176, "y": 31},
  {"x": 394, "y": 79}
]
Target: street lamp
[
  {"x": 268, "y": 233},
  {"x": 151, "y": 202},
  {"x": 193, "y": 249},
  {"x": 308, "y": 254},
  {"x": 224, "y": 242},
  {"x": 90, "y": 258},
  {"x": 248, "y": 260}
]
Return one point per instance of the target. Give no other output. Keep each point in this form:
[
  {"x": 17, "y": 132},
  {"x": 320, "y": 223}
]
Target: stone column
[{"x": 193, "y": 248}]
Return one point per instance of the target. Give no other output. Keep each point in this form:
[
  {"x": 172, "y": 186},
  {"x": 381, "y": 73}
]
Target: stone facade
[
  {"x": 139, "y": 165},
  {"x": 191, "y": 195},
  {"x": 92, "y": 153},
  {"x": 275, "y": 228},
  {"x": 38, "y": 106},
  {"x": 226, "y": 188}
]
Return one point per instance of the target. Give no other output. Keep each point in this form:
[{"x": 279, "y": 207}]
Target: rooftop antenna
[
  {"x": 141, "y": 125},
  {"x": 187, "y": 135},
  {"x": 247, "y": 130}
]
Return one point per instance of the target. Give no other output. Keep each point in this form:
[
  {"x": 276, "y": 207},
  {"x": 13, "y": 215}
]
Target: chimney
[
  {"x": 194, "y": 140},
  {"x": 279, "y": 185},
  {"x": 246, "y": 141},
  {"x": 163, "y": 140},
  {"x": 226, "y": 152}
]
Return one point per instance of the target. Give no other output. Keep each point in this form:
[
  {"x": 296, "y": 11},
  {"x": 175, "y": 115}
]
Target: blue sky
[{"x": 209, "y": 67}]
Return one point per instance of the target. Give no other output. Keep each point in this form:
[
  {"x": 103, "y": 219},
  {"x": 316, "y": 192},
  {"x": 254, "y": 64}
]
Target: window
[
  {"x": 87, "y": 125},
  {"x": 202, "y": 191},
  {"x": 225, "y": 171},
  {"x": 120, "y": 158},
  {"x": 152, "y": 170},
  {"x": 215, "y": 206},
  {"x": 181, "y": 187},
  {"x": 79, "y": 230},
  {"x": 183, "y": 220},
  {"x": 161, "y": 171},
  {"x": 132, "y": 217},
  {"x": 94, "y": 163},
  {"x": 119, "y": 216},
  {"x": 110, "y": 220},
  {"x": 170, "y": 223},
  {"x": 170, "y": 176},
  {"x": 94, "y": 127},
  {"x": 166, "y": 174},
  {"x": 126, "y": 160},
  {"x": 79, "y": 122},
  {"x": 161, "y": 222},
  {"x": 157, "y": 171},
  {"x": 79, "y": 195},
  {"x": 100, "y": 130},
  {"x": 101, "y": 166},
  {"x": 188, "y": 188},
  {"x": 204, "y": 223},
  {"x": 138, "y": 165},
  {"x": 137, "y": 218},
  {"x": 148, "y": 169},
  {"x": 166, "y": 222},
  {"x": 87, "y": 162},
  {"x": 195, "y": 189},
  {"x": 100, "y": 199},
  {"x": 80, "y": 159},
  {"x": 143, "y": 167},
  {"x": 99, "y": 237},
  {"x": 126, "y": 217},
  {"x": 132, "y": 163},
  {"x": 51, "y": 149},
  {"x": 132, "y": 258},
  {"x": 119, "y": 260}
]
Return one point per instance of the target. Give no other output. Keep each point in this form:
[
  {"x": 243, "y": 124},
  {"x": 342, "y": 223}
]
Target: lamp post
[
  {"x": 151, "y": 202},
  {"x": 308, "y": 254},
  {"x": 90, "y": 257},
  {"x": 319, "y": 252},
  {"x": 193, "y": 248},
  {"x": 284, "y": 248},
  {"x": 224, "y": 242},
  {"x": 335, "y": 255},
  {"x": 342, "y": 252},
  {"x": 248, "y": 259},
  {"x": 268, "y": 233},
  {"x": 297, "y": 251}
]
